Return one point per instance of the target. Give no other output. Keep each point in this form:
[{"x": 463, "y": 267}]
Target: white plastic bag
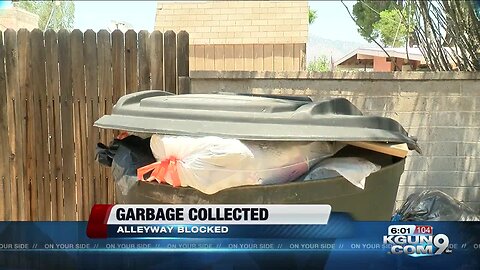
[
  {"x": 211, "y": 164},
  {"x": 354, "y": 169}
]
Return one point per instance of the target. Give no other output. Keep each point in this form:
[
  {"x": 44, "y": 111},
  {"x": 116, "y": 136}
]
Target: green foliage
[
  {"x": 476, "y": 8},
  {"x": 62, "y": 17},
  {"x": 312, "y": 15},
  {"x": 391, "y": 28},
  {"x": 319, "y": 64},
  {"x": 367, "y": 13}
]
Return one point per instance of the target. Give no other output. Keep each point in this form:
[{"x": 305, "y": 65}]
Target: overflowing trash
[
  {"x": 242, "y": 150},
  {"x": 125, "y": 156},
  {"x": 210, "y": 164},
  {"x": 354, "y": 169},
  {"x": 434, "y": 205},
  {"x": 231, "y": 148}
]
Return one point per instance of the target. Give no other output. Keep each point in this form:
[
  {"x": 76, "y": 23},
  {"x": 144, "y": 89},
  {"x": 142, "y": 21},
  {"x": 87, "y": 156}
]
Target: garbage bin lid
[{"x": 250, "y": 117}]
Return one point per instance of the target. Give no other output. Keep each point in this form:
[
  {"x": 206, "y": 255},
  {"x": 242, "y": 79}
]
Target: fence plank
[
  {"x": 182, "y": 54},
  {"x": 40, "y": 124},
  {"x": 229, "y": 57},
  {"x": 170, "y": 64},
  {"x": 248, "y": 56},
  {"x": 44, "y": 123},
  {"x": 102, "y": 38},
  {"x": 192, "y": 57},
  {"x": 278, "y": 57},
  {"x": 2, "y": 197},
  {"x": 239, "y": 63},
  {"x": 184, "y": 85},
  {"x": 80, "y": 77},
  {"x": 156, "y": 59},
  {"x": 301, "y": 48},
  {"x": 91, "y": 85},
  {"x": 296, "y": 57},
  {"x": 118, "y": 65},
  {"x": 199, "y": 57},
  {"x": 54, "y": 125},
  {"x": 27, "y": 128},
  {"x": 219, "y": 56},
  {"x": 5, "y": 184},
  {"x": 67, "y": 126},
  {"x": 78, "y": 88},
  {"x": 258, "y": 57},
  {"x": 131, "y": 65},
  {"x": 105, "y": 100},
  {"x": 268, "y": 57},
  {"x": 183, "y": 66},
  {"x": 288, "y": 63},
  {"x": 209, "y": 57},
  {"x": 143, "y": 65}
]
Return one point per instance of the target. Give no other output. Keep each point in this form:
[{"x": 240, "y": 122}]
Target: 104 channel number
[{"x": 410, "y": 230}]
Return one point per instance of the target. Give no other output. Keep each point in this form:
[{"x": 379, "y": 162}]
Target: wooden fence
[
  {"x": 53, "y": 86},
  {"x": 248, "y": 57}
]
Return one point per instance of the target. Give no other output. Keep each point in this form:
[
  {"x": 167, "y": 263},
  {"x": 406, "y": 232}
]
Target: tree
[
  {"x": 57, "y": 14},
  {"x": 312, "y": 15},
  {"x": 319, "y": 64},
  {"x": 391, "y": 28},
  {"x": 476, "y": 7},
  {"x": 448, "y": 34},
  {"x": 366, "y": 14}
]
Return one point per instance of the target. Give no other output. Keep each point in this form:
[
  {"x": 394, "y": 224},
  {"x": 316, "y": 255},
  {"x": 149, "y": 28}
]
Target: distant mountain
[{"x": 318, "y": 46}]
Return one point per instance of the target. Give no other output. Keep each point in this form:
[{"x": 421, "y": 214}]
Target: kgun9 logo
[{"x": 402, "y": 240}]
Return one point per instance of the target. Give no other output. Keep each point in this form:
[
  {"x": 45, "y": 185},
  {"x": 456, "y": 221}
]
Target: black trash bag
[
  {"x": 104, "y": 154},
  {"x": 434, "y": 205},
  {"x": 125, "y": 157}
]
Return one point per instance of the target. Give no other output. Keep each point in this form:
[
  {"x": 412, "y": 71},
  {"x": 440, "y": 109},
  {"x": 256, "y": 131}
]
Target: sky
[{"x": 333, "y": 21}]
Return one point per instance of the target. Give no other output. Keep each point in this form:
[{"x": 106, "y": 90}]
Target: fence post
[
  {"x": 183, "y": 63},
  {"x": 118, "y": 64},
  {"x": 66, "y": 96},
  {"x": 27, "y": 129},
  {"x": 131, "y": 73},
  {"x": 156, "y": 60},
  {"x": 91, "y": 85},
  {"x": 143, "y": 63},
  {"x": 170, "y": 62},
  {"x": 5, "y": 189},
  {"x": 13, "y": 113},
  {"x": 53, "y": 94},
  {"x": 105, "y": 91},
  {"x": 40, "y": 123}
]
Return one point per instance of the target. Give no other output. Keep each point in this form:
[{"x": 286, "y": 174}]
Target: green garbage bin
[{"x": 268, "y": 118}]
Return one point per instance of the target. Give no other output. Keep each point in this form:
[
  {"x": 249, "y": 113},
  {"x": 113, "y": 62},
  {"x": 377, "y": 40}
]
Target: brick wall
[
  {"x": 16, "y": 18},
  {"x": 441, "y": 109},
  {"x": 236, "y": 22}
]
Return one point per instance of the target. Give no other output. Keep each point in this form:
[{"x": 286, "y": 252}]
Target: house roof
[{"x": 369, "y": 53}]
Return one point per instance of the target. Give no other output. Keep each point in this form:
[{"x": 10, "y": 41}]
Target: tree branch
[{"x": 378, "y": 44}]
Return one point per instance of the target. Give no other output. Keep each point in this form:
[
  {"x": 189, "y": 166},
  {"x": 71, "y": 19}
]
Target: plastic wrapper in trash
[
  {"x": 354, "y": 169},
  {"x": 210, "y": 164},
  {"x": 125, "y": 157},
  {"x": 434, "y": 205}
]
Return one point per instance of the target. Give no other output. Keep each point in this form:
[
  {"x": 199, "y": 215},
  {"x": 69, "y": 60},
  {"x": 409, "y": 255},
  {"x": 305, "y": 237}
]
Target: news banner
[{"x": 116, "y": 234}]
